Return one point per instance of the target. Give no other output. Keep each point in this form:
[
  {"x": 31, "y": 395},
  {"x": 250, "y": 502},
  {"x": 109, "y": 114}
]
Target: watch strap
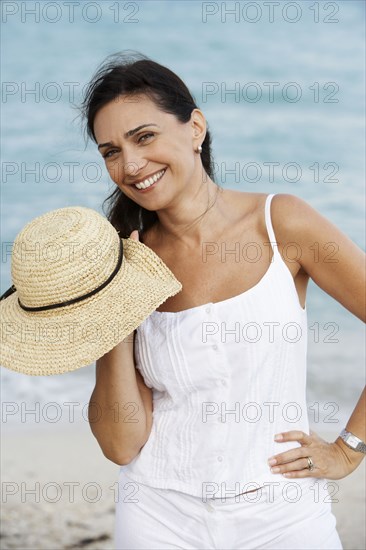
[{"x": 349, "y": 437}]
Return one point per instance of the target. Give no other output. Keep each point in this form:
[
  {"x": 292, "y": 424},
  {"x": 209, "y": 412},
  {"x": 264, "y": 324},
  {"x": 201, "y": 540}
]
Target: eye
[
  {"x": 109, "y": 153},
  {"x": 145, "y": 136}
]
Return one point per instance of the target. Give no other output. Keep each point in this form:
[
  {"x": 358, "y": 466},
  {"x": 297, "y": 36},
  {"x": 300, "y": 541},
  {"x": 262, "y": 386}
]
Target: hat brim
[{"x": 67, "y": 338}]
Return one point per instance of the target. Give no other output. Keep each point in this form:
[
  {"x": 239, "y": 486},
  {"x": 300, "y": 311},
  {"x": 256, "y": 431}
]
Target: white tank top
[{"x": 226, "y": 377}]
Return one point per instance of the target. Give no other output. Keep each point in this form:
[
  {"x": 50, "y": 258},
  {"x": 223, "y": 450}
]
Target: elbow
[
  {"x": 119, "y": 458},
  {"x": 122, "y": 453},
  {"x": 115, "y": 453},
  {"x": 122, "y": 461}
]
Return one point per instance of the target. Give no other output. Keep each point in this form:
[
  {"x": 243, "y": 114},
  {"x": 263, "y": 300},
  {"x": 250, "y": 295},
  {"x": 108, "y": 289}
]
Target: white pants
[{"x": 291, "y": 516}]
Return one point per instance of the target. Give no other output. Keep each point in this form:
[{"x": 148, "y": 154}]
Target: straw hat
[{"x": 78, "y": 290}]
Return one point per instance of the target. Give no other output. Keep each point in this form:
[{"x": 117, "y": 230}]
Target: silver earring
[{"x": 199, "y": 149}]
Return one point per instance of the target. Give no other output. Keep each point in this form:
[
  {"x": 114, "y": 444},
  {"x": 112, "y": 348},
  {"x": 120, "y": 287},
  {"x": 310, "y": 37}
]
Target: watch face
[{"x": 353, "y": 441}]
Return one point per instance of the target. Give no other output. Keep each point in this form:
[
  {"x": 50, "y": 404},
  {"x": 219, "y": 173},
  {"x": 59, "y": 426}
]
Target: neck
[{"x": 196, "y": 217}]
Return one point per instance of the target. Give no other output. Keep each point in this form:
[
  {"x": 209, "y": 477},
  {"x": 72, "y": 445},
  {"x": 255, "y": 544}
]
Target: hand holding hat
[
  {"x": 78, "y": 290},
  {"x": 135, "y": 235}
]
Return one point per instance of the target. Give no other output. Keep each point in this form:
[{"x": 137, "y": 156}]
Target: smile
[{"x": 150, "y": 181}]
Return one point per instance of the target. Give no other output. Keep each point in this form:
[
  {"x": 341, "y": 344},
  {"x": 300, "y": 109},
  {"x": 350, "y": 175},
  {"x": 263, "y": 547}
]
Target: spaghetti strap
[{"x": 267, "y": 213}]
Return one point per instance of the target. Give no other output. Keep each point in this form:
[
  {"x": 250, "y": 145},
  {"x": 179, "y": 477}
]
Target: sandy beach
[{"x": 59, "y": 491}]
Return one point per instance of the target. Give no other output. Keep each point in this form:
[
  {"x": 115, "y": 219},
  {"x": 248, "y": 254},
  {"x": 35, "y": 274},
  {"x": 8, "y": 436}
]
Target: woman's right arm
[{"x": 120, "y": 407}]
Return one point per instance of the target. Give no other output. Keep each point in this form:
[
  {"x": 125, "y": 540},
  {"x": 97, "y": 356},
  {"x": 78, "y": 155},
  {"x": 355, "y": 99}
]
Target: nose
[
  {"x": 127, "y": 166},
  {"x": 133, "y": 161},
  {"x": 131, "y": 168}
]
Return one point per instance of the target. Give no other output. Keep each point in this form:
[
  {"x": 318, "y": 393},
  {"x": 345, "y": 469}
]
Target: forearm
[
  {"x": 356, "y": 425},
  {"x": 117, "y": 413}
]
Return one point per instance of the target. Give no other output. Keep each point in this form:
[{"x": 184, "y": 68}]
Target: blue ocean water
[{"x": 282, "y": 88}]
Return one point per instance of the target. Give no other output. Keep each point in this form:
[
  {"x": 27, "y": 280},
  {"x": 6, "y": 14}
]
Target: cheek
[
  {"x": 114, "y": 171},
  {"x": 181, "y": 155}
]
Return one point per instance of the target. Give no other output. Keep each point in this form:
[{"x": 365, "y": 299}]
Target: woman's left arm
[{"x": 337, "y": 265}]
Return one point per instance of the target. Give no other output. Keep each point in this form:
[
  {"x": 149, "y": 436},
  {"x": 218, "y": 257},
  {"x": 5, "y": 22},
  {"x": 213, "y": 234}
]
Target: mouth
[{"x": 149, "y": 183}]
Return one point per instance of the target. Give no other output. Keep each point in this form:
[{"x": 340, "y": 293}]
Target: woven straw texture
[{"x": 64, "y": 254}]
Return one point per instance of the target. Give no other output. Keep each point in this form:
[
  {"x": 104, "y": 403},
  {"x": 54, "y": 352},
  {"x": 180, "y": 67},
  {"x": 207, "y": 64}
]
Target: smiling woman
[
  {"x": 131, "y": 87},
  {"x": 222, "y": 411}
]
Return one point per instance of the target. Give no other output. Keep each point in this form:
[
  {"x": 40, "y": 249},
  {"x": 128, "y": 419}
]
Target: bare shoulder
[
  {"x": 300, "y": 226},
  {"x": 290, "y": 209},
  {"x": 281, "y": 204},
  {"x": 283, "y": 207},
  {"x": 329, "y": 256},
  {"x": 323, "y": 245},
  {"x": 289, "y": 216},
  {"x": 296, "y": 220},
  {"x": 286, "y": 211}
]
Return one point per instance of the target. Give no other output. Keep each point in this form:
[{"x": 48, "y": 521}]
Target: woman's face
[{"x": 138, "y": 141}]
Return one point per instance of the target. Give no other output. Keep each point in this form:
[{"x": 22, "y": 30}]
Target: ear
[{"x": 198, "y": 125}]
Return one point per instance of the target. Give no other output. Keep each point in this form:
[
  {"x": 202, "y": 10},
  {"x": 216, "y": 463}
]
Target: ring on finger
[{"x": 310, "y": 463}]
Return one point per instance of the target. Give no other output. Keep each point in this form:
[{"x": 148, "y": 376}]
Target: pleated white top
[{"x": 226, "y": 377}]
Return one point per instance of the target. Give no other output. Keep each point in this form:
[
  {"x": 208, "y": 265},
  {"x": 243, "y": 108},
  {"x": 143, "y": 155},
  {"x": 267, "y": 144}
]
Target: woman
[{"x": 193, "y": 401}]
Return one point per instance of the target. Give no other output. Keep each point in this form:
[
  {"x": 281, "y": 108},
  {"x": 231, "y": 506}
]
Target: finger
[
  {"x": 294, "y": 466},
  {"x": 294, "y": 435},
  {"x": 135, "y": 235},
  {"x": 301, "y": 473},
  {"x": 288, "y": 456}
]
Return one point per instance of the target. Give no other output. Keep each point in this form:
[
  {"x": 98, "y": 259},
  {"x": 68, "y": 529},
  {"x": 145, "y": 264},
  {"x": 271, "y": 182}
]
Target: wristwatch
[{"x": 353, "y": 442}]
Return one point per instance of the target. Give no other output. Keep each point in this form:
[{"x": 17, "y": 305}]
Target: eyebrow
[{"x": 128, "y": 134}]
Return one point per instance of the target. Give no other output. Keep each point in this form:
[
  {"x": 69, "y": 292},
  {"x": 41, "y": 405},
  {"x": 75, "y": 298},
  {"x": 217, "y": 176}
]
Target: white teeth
[{"x": 146, "y": 183}]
